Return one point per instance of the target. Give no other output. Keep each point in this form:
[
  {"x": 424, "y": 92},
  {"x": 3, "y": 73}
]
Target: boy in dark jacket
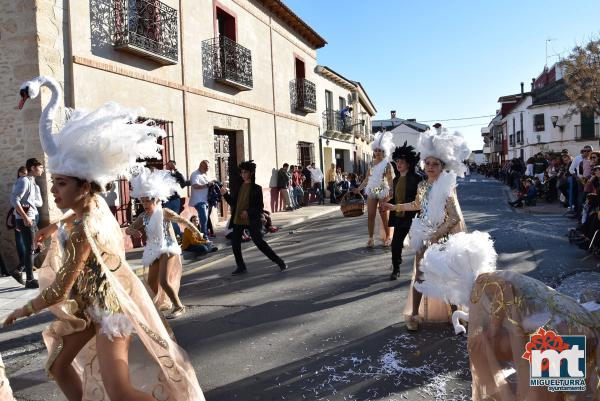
[
  {"x": 246, "y": 213},
  {"x": 405, "y": 190}
]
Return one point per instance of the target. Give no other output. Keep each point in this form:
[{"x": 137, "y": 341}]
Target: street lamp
[{"x": 555, "y": 123}]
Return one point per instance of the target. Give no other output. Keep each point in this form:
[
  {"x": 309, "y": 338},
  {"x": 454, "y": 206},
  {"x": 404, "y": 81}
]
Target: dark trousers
[
  {"x": 257, "y": 238},
  {"x": 28, "y": 237},
  {"x": 397, "y": 244},
  {"x": 331, "y": 187}
]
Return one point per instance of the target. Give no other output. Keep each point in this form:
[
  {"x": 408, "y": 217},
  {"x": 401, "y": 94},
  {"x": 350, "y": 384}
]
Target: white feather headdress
[
  {"x": 157, "y": 184},
  {"x": 384, "y": 141},
  {"x": 98, "y": 146},
  {"x": 450, "y": 148}
]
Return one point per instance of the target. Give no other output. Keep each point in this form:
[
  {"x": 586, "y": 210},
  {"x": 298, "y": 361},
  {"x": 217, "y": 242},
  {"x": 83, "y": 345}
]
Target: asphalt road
[{"x": 330, "y": 328}]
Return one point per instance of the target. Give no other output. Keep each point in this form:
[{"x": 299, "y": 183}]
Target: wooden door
[{"x": 225, "y": 165}]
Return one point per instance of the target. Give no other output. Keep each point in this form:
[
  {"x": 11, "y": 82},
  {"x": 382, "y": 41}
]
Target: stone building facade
[{"x": 228, "y": 80}]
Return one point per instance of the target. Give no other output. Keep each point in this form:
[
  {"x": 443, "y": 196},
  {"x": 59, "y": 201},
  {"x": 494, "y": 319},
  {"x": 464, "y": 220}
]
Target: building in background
[
  {"x": 403, "y": 130},
  {"x": 541, "y": 120},
  {"x": 345, "y": 137},
  {"x": 227, "y": 79}
]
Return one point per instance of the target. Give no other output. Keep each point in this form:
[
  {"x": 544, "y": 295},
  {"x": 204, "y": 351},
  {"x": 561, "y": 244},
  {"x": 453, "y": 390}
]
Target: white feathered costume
[
  {"x": 448, "y": 269},
  {"x": 377, "y": 185}
]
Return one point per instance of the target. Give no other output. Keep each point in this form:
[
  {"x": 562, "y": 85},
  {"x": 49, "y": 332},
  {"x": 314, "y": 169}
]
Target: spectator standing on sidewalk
[
  {"x": 290, "y": 188},
  {"x": 20, "y": 245},
  {"x": 316, "y": 178},
  {"x": 274, "y": 190},
  {"x": 26, "y": 198},
  {"x": 199, "y": 199},
  {"x": 283, "y": 181},
  {"x": 330, "y": 177},
  {"x": 246, "y": 213},
  {"x": 174, "y": 201},
  {"x": 297, "y": 183}
]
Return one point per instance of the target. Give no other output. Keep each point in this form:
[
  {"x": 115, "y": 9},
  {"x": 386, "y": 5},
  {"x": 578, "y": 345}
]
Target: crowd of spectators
[{"x": 572, "y": 180}]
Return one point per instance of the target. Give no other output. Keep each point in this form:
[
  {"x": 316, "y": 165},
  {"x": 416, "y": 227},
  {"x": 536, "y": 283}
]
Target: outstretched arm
[{"x": 77, "y": 251}]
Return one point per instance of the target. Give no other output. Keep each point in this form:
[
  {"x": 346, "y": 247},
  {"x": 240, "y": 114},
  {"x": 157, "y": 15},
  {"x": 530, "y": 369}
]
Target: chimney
[
  {"x": 522, "y": 88},
  {"x": 393, "y": 112},
  {"x": 532, "y": 83}
]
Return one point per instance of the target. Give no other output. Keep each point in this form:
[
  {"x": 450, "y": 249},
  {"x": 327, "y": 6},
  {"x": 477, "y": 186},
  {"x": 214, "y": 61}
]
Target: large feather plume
[
  {"x": 450, "y": 148},
  {"x": 157, "y": 184},
  {"x": 103, "y": 145},
  {"x": 451, "y": 268}
]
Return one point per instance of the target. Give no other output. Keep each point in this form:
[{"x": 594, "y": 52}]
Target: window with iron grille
[
  {"x": 125, "y": 207},
  {"x": 306, "y": 153},
  {"x": 538, "y": 122}
]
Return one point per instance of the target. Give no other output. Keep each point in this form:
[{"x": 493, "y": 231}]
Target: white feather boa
[
  {"x": 421, "y": 229},
  {"x": 377, "y": 185},
  {"x": 155, "y": 239}
]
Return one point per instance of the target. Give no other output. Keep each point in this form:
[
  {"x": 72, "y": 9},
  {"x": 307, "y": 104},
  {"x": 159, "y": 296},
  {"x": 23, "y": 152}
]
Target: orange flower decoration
[{"x": 543, "y": 340}]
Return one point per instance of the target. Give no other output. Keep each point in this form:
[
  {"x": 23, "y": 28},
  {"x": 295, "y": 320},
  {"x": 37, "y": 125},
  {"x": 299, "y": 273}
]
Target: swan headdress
[
  {"x": 450, "y": 148},
  {"x": 157, "y": 184},
  {"x": 384, "y": 141},
  {"x": 98, "y": 146}
]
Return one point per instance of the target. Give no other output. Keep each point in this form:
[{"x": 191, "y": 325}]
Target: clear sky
[{"x": 436, "y": 60}]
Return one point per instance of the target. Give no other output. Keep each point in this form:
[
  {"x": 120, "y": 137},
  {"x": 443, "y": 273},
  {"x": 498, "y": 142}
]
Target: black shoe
[
  {"x": 394, "y": 276},
  {"x": 282, "y": 266},
  {"x": 33, "y": 283},
  {"x": 239, "y": 271},
  {"x": 17, "y": 274}
]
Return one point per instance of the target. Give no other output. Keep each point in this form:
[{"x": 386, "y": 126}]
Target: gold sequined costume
[{"x": 101, "y": 288}]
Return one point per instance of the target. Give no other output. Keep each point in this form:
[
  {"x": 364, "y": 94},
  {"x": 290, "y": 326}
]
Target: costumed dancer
[
  {"x": 162, "y": 253},
  {"x": 246, "y": 213},
  {"x": 440, "y": 215},
  {"x": 405, "y": 190},
  {"x": 99, "y": 302},
  {"x": 379, "y": 185},
  {"x": 506, "y": 310}
]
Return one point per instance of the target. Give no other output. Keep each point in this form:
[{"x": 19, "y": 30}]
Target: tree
[{"x": 582, "y": 77}]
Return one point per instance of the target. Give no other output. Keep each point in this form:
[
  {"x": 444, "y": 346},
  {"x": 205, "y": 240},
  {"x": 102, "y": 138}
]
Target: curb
[{"x": 189, "y": 268}]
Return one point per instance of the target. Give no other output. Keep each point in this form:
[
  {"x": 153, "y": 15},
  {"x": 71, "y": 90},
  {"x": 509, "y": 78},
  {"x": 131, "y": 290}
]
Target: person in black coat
[
  {"x": 246, "y": 213},
  {"x": 405, "y": 190}
]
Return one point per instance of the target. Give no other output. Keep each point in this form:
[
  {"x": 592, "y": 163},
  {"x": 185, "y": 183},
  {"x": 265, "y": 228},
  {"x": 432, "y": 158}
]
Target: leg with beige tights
[
  {"x": 153, "y": 276},
  {"x": 63, "y": 372},
  {"x": 165, "y": 263},
  {"x": 385, "y": 215},
  {"x": 371, "y": 214},
  {"x": 113, "y": 358}
]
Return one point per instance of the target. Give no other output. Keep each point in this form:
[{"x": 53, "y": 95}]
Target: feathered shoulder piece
[{"x": 157, "y": 184}]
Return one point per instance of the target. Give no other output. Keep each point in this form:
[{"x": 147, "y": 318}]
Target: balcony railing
[
  {"x": 587, "y": 132},
  {"x": 336, "y": 127},
  {"x": 227, "y": 62},
  {"x": 304, "y": 95},
  {"x": 148, "y": 28}
]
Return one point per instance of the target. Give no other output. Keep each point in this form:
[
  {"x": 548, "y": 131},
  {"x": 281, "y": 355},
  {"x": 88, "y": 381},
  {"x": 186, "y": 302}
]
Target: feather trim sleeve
[
  {"x": 451, "y": 220},
  {"x": 77, "y": 251},
  {"x": 174, "y": 217}
]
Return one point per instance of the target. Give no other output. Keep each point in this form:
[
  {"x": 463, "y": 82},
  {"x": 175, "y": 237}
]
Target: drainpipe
[
  {"x": 321, "y": 160},
  {"x": 183, "y": 93}
]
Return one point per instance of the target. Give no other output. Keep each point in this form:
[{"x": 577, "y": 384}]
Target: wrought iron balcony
[
  {"x": 148, "y": 28},
  {"x": 304, "y": 95},
  {"x": 227, "y": 62},
  {"x": 587, "y": 132},
  {"x": 334, "y": 125}
]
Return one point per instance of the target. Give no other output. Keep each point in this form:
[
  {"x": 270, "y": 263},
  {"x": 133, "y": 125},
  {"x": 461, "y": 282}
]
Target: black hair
[{"x": 33, "y": 162}]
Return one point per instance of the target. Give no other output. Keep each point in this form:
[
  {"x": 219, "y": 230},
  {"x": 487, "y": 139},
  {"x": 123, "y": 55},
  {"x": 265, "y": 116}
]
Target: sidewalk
[{"x": 14, "y": 295}]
